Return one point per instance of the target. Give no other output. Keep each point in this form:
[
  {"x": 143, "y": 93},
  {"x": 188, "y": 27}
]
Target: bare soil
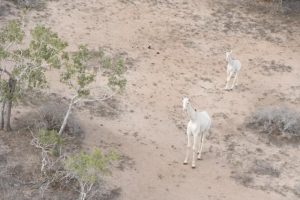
[{"x": 175, "y": 49}]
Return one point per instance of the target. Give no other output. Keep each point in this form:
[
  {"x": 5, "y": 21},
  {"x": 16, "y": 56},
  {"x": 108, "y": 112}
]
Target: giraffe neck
[
  {"x": 229, "y": 59},
  {"x": 191, "y": 112}
]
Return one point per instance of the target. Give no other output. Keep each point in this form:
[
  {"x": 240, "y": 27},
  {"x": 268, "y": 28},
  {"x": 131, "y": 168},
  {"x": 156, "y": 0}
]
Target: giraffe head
[
  {"x": 228, "y": 54},
  {"x": 185, "y": 102}
]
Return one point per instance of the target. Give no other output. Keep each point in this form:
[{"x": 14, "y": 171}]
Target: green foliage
[
  {"x": 115, "y": 68},
  {"x": 116, "y": 80},
  {"x": 106, "y": 62},
  {"x": 88, "y": 167},
  {"x": 27, "y": 65},
  {"x": 49, "y": 138},
  {"x": 77, "y": 74},
  {"x": 46, "y": 45},
  {"x": 29, "y": 76},
  {"x": 9, "y": 35},
  {"x": 3, "y": 53},
  {"x": 5, "y": 91},
  {"x": 12, "y": 32}
]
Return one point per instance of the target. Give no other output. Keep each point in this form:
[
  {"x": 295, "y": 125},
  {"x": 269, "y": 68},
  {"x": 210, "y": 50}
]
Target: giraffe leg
[
  {"x": 237, "y": 77},
  {"x": 234, "y": 81},
  {"x": 202, "y": 139},
  {"x": 199, "y": 145},
  {"x": 228, "y": 80},
  {"x": 194, "y": 151},
  {"x": 187, "y": 148}
]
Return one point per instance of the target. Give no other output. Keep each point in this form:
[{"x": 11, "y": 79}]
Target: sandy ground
[{"x": 175, "y": 49}]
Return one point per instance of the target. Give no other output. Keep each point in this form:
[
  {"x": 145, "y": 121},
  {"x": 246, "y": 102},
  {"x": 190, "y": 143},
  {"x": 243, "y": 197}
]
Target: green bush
[
  {"x": 89, "y": 167},
  {"x": 49, "y": 138}
]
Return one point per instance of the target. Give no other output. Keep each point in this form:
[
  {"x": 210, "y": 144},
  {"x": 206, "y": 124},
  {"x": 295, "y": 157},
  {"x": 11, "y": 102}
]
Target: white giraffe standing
[
  {"x": 233, "y": 67},
  {"x": 199, "y": 123}
]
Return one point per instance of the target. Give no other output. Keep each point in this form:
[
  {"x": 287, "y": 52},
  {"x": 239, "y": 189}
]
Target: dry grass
[
  {"x": 50, "y": 117},
  {"x": 262, "y": 167},
  {"x": 32, "y": 4}
]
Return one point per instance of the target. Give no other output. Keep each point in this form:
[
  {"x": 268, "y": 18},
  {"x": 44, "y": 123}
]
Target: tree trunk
[
  {"x": 7, "y": 126},
  {"x": 11, "y": 87},
  {"x": 2, "y": 115},
  {"x": 63, "y": 126},
  {"x": 82, "y": 191},
  {"x": 85, "y": 188}
]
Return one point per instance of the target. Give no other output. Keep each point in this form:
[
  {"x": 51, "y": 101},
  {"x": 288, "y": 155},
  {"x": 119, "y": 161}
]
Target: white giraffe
[
  {"x": 199, "y": 123},
  {"x": 233, "y": 67}
]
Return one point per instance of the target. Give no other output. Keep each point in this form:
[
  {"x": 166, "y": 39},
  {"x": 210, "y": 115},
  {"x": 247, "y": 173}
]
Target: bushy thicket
[
  {"x": 35, "y": 4},
  {"x": 276, "y": 120},
  {"x": 50, "y": 117}
]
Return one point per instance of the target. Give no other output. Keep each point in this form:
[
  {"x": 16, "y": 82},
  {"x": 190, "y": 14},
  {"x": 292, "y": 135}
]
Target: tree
[
  {"x": 23, "y": 66},
  {"x": 79, "y": 75}
]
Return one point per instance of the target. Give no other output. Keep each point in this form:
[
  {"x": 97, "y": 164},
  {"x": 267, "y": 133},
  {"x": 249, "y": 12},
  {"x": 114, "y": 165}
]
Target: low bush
[
  {"x": 88, "y": 169},
  {"x": 49, "y": 138},
  {"x": 34, "y": 4},
  {"x": 276, "y": 120},
  {"x": 51, "y": 116}
]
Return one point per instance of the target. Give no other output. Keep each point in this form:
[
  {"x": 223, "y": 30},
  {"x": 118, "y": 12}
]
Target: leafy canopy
[
  {"x": 115, "y": 68},
  {"x": 77, "y": 74},
  {"x": 26, "y": 64}
]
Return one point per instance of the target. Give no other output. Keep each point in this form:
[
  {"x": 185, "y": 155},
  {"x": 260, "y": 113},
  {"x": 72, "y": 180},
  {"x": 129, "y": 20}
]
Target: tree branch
[
  {"x": 5, "y": 71},
  {"x": 9, "y": 45},
  {"x": 96, "y": 99}
]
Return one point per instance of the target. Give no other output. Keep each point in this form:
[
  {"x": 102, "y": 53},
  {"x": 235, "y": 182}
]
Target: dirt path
[{"x": 177, "y": 48}]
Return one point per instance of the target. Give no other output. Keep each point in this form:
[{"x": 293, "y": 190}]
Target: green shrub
[
  {"x": 89, "y": 167},
  {"x": 49, "y": 138}
]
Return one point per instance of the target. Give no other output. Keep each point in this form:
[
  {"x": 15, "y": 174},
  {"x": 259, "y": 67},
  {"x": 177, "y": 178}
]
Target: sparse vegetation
[
  {"x": 276, "y": 120},
  {"x": 23, "y": 69},
  {"x": 69, "y": 169},
  {"x": 49, "y": 142},
  {"x": 67, "y": 100},
  {"x": 48, "y": 138},
  {"x": 87, "y": 169},
  {"x": 30, "y": 4},
  {"x": 262, "y": 167},
  {"x": 243, "y": 179},
  {"x": 51, "y": 115},
  {"x": 285, "y": 6}
]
